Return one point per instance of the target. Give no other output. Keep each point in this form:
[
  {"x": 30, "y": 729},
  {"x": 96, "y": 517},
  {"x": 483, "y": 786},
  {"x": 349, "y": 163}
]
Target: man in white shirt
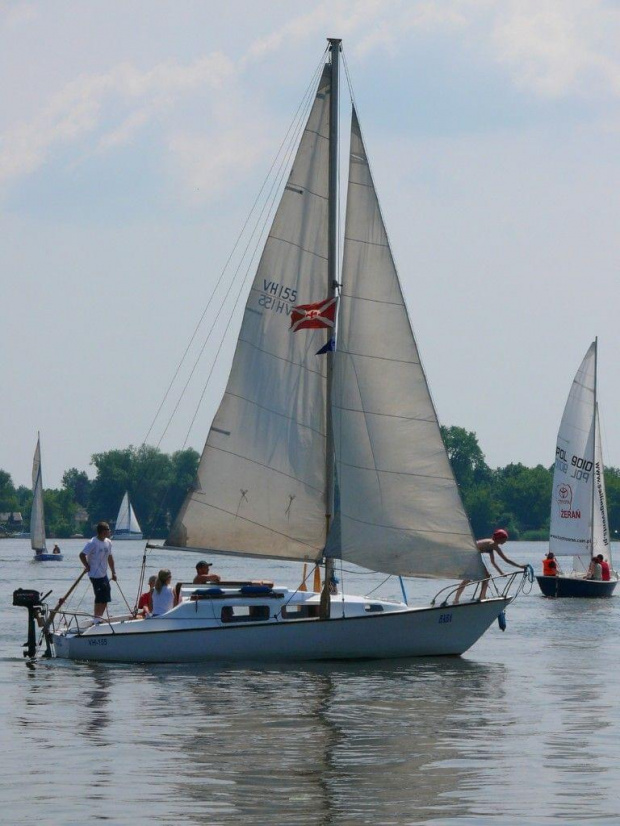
[{"x": 96, "y": 557}]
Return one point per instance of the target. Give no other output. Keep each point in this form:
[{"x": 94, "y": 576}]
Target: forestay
[
  {"x": 261, "y": 478},
  {"x": 400, "y": 508}
]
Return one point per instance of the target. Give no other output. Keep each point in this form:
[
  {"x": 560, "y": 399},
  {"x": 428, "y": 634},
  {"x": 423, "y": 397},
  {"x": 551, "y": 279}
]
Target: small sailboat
[
  {"x": 578, "y": 526},
  {"x": 127, "y": 526},
  {"x": 37, "y": 515},
  {"x": 319, "y": 453}
]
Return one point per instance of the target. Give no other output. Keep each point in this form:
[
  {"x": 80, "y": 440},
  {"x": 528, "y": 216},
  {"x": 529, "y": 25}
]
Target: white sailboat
[
  {"x": 291, "y": 422},
  {"x": 37, "y": 514},
  {"x": 578, "y": 526},
  {"x": 127, "y": 526}
]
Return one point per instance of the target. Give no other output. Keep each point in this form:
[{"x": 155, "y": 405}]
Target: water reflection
[
  {"x": 95, "y": 716},
  {"x": 327, "y": 744}
]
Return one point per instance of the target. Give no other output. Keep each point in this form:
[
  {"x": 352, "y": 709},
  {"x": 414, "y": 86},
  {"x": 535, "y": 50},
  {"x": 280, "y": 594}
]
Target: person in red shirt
[
  {"x": 604, "y": 568},
  {"x": 145, "y": 603}
]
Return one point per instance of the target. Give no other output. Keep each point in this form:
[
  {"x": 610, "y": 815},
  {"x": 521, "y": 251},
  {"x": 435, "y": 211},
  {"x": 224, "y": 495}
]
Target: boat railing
[
  {"x": 496, "y": 587},
  {"x": 81, "y": 621}
]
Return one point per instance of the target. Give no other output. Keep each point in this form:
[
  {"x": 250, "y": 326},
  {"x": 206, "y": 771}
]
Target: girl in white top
[{"x": 163, "y": 595}]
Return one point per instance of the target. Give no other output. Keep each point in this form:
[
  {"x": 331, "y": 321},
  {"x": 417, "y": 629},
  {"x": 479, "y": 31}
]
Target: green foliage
[
  {"x": 157, "y": 484},
  {"x": 8, "y": 497},
  {"x": 466, "y": 457},
  {"x": 78, "y": 484},
  {"x": 514, "y": 497},
  {"x": 525, "y": 494},
  {"x": 612, "y": 487}
]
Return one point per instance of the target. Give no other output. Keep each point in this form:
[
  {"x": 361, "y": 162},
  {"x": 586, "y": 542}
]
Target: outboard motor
[{"x": 34, "y": 602}]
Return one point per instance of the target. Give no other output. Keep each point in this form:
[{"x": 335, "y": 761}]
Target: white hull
[
  {"x": 128, "y": 537},
  {"x": 418, "y": 632}
]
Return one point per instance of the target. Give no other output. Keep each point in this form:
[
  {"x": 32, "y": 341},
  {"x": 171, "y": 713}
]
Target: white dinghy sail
[
  {"x": 37, "y": 513},
  {"x": 318, "y": 451},
  {"x": 578, "y": 523},
  {"x": 127, "y": 526}
]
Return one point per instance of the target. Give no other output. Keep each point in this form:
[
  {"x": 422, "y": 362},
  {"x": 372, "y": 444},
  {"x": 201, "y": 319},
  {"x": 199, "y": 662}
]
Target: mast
[
  {"x": 332, "y": 285},
  {"x": 594, "y": 446}
]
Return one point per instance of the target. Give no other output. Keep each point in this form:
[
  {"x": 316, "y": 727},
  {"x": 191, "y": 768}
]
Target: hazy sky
[{"x": 135, "y": 134}]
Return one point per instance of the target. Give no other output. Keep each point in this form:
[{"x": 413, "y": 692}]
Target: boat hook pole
[{"x": 61, "y": 601}]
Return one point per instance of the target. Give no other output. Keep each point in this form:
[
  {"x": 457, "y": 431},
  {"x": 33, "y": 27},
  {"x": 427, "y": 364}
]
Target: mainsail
[
  {"x": 126, "y": 521},
  {"x": 261, "y": 479},
  {"x": 400, "y": 508},
  {"x": 37, "y": 517},
  {"x": 578, "y": 525}
]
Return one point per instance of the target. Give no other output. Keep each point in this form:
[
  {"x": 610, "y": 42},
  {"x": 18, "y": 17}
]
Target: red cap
[{"x": 500, "y": 533}]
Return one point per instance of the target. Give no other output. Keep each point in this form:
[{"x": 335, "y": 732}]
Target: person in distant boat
[
  {"x": 490, "y": 547},
  {"x": 56, "y": 549},
  {"x": 595, "y": 571},
  {"x": 605, "y": 570},
  {"x": 202, "y": 574},
  {"x": 96, "y": 557},
  {"x": 145, "y": 603},
  {"x": 550, "y": 566},
  {"x": 162, "y": 598}
]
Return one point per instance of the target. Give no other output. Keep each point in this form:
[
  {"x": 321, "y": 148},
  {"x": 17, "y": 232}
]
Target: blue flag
[{"x": 327, "y": 348}]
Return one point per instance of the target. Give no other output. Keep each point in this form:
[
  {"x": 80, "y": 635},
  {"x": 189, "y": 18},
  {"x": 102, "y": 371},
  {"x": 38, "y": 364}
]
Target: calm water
[{"x": 523, "y": 729}]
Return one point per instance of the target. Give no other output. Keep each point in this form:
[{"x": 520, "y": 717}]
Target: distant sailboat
[
  {"x": 37, "y": 515},
  {"x": 579, "y": 527},
  {"x": 299, "y": 418},
  {"x": 127, "y": 526}
]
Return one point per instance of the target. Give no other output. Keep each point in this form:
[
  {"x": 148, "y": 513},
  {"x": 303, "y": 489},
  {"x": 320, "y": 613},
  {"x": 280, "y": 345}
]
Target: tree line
[
  {"x": 157, "y": 484},
  {"x": 515, "y": 497}
]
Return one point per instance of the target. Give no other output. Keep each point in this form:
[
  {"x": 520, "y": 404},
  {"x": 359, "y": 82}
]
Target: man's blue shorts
[{"x": 101, "y": 587}]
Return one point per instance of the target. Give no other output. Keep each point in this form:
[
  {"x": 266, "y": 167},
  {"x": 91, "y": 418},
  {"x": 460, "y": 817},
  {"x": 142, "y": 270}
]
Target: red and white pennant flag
[{"x": 314, "y": 316}]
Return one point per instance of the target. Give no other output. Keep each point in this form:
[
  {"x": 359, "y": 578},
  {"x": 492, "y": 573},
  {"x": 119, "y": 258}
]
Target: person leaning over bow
[
  {"x": 490, "y": 547},
  {"x": 96, "y": 557}
]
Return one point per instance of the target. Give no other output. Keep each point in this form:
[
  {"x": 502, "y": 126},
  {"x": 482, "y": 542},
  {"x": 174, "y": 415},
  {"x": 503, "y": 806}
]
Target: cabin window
[
  {"x": 299, "y": 611},
  {"x": 244, "y": 613},
  {"x": 373, "y": 608}
]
